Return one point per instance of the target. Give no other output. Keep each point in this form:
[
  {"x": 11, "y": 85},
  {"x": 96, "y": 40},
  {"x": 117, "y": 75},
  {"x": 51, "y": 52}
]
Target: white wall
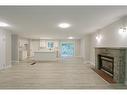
[
  {"x": 110, "y": 37},
  {"x": 5, "y": 49},
  {"x": 8, "y": 49},
  {"x": 35, "y": 46},
  {"x": 85, "y": 48},
  {"x": 77, "y": 47}
]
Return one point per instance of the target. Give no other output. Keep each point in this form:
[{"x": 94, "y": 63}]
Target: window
[
  {"x": 50, "y": 45},
  {"x": 67, "y": 48}
]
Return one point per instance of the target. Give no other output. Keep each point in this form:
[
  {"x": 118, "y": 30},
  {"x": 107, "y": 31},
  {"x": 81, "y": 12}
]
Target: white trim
[
  {"x": 8, "y": 66},
  {"x": 86, "y": 62},
  {"x": 92, "y": 63},
  {"x": 5, "y": 67}
]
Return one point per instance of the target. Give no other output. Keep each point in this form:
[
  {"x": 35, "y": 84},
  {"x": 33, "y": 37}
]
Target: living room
[{"x": 55, "y": 47}]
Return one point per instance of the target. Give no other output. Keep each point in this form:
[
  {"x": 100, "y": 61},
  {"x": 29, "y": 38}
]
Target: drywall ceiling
[{"x": 41, "y": 21}]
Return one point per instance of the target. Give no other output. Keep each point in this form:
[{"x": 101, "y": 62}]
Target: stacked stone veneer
[{"x": 119, "y": 55}]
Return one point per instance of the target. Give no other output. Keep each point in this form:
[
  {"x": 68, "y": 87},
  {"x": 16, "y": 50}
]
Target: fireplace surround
[{"x": 112, "y": 61}]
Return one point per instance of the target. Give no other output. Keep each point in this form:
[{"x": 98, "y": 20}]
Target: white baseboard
[
  {"x": 4, "y": 66},
  {"x": 88, "y": 62},
  {"x": 8, "y": 66}
]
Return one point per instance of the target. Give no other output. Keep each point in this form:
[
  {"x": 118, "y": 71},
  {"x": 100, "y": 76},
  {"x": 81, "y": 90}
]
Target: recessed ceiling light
[
  {"x": 64, "y": 25},
  {"x": 70, "y": 37},
  {"x": 2, "y": 24}
]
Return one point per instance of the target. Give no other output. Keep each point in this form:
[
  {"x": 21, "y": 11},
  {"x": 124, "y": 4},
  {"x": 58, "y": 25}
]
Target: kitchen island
[{"x": 45, "y": 56}]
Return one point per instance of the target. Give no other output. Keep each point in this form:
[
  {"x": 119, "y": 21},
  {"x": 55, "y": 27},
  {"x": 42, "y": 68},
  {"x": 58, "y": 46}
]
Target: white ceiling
[{"x": 41, "y": 21}]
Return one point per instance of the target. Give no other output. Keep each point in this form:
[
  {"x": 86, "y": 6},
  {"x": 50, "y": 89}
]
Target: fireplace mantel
[{"x": 119, "y": 55}]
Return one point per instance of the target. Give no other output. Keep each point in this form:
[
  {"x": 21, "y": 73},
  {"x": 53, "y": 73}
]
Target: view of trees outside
[{"x": 67, "y": 49}]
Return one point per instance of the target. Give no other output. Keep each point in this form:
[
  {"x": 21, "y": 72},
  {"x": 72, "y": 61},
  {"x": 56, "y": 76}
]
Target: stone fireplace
[{"x": 111, "y": 61}]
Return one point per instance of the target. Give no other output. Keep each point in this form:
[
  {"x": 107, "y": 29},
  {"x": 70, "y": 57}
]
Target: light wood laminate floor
[{"x": 52, "y": 76}]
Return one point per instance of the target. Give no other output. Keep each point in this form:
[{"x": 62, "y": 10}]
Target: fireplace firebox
[{"x": 106, "y": 63}]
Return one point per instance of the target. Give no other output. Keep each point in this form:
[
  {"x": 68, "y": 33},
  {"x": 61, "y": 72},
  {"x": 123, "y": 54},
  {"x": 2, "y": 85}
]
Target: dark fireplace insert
[{"x": 106, "y": 63}]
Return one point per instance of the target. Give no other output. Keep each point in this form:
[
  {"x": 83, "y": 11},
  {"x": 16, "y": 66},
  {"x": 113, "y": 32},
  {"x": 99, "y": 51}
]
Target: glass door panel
[{"x": 67, "y": 49}]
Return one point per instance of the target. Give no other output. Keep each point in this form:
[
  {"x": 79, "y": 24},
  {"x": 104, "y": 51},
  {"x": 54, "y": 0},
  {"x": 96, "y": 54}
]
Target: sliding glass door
[{"x": 67, "y": 49}]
